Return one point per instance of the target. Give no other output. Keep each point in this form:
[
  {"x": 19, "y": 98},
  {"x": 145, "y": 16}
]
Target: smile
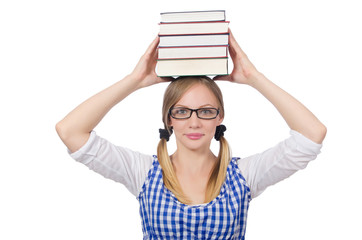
[{"x": 194, "y": 136}]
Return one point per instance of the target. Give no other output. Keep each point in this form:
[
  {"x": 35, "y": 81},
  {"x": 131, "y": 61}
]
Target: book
[
  {"x": 193, "y": 16},
  {"x": 194, "y": 40},
  {"x": 193, "y": 44},
  {"x": 193, "y": 28},
  {"x": 193, "y": 52},
  {"x": 192, "y": 67}
]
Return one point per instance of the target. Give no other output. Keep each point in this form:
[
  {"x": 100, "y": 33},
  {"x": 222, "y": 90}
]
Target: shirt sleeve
[
  {"x": 113, "y": 162},
  {"x": 279, "y": 162}
]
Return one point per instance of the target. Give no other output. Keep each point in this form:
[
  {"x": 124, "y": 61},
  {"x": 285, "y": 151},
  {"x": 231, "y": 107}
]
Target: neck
[{"x": 193, "y": 162}]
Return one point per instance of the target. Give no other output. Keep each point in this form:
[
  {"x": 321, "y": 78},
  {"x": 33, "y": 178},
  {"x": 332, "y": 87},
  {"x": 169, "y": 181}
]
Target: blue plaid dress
[{"x": 164, "y": 217}]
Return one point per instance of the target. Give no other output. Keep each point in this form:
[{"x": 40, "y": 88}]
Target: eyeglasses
[{"x": 185, "y": 113}]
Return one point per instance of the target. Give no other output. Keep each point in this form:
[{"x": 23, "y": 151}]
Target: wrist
[
  {"x": 256, "y": 79},
  {"x": 133, "y": 81}
]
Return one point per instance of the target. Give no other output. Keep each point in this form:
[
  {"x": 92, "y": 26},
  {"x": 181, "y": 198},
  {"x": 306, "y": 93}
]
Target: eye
[
  {"x": 180, "y": 111},
  {"x": 207, "y": 111}
]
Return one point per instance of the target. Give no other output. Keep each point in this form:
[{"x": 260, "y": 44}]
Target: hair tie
[
  {"x": 164, "y": 133},
  {"x": 219, "y": 132}
]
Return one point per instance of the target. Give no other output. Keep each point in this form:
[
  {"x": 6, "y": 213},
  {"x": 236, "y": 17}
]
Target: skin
[
  {"x": 193, "y": 175},
  {"x": 75, "y": 128},
  {"x": 296, "y": 115}
]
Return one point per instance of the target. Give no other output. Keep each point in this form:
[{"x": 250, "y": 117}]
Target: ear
[
  {"x": 169, "y": 122},
  {"x": 220, "y": 120}
]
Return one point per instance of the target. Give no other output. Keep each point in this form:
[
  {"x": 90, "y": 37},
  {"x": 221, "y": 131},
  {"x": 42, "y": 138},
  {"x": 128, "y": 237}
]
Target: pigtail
[
  {"x": 168, "y": 173},
  {"x": 219, "y": 171},
  {"x": 218, "y": 174}
]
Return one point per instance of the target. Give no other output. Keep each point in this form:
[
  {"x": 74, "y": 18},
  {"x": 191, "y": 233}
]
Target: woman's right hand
[
  {"x": 75, "y": 128},
  {"x": 144, "y": 72}
]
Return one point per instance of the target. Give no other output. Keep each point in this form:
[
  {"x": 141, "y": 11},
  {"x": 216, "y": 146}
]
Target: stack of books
[{"x": 193, "y": 44}]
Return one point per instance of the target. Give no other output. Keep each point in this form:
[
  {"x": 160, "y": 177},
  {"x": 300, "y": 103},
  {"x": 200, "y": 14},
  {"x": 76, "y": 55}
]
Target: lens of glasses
[{"x": 203, "y": 113}]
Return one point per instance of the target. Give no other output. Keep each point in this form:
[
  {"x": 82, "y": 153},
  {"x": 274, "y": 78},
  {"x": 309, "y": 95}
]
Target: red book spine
[
  {"x": 193, "y": 22},
  {"x": 195, "y": 46},
  {"x": 180, "y": 58}
]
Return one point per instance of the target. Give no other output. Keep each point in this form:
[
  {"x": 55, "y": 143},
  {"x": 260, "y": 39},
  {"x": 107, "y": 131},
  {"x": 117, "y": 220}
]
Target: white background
[{"x": 55, "y": 54}]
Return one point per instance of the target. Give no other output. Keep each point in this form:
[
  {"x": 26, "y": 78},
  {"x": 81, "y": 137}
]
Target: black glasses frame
[{"x": 194, "y": 110}]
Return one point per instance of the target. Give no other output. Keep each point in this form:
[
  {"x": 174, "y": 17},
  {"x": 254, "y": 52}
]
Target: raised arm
[
  {"x": 297, "y": 116},
  {"x": 75, "y": 128}
]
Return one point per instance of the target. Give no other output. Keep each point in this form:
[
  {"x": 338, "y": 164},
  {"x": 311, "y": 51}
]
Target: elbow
[
  {"x": 73, "y": 140},
  {"x": 61, "y": 130},
  {"x": 315, "y": 133},
  {"x": 65, "y": 136},
  {"x": 323, "y": 132},
  {"x": 320, "y": 133}
]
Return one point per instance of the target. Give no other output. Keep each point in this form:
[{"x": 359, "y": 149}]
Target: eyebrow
[{"x": 202, "y": 106}]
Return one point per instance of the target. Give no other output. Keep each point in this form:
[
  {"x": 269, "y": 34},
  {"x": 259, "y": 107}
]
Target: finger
[
  {"x": 234, "y": 47},
  {"x": 164, "y": 79},
  {"x": 152, "y": 47},
  {"x": 222, "y": 78},
  {"x": 167, "y": 79},
  {"x": 232, "y": 40}
]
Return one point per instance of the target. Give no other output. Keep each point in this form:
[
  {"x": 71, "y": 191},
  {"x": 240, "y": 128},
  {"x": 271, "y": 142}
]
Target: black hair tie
[
  {"x": 219, "y": 132},
  {"x": 165, "y": 134}
]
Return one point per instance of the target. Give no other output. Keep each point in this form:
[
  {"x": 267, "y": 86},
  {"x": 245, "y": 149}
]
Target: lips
[{"x": 194, "y": 136}]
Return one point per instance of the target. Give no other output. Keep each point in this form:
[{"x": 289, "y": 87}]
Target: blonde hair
[{"x": 172, "y": 95}]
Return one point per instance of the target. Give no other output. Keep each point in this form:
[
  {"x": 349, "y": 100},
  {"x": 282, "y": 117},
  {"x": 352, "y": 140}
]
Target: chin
[{"x": 195, "y": 145}]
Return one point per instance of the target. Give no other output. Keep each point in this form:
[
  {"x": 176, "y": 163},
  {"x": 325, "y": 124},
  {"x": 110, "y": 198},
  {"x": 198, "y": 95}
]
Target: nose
[{"x": 194, "y": 120}]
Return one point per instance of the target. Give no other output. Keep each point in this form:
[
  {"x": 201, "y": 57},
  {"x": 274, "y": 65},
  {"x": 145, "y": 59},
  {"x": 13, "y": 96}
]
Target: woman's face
[{"x": 195, "y": 133}]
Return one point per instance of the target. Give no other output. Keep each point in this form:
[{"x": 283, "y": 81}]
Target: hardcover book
[
  {"x": 192, "y": 67},
  {"x": 194, "y": 40},
  {"x": 192, "y": 52},
  {"x": 193, "y": 28},
  {"x": 193, "y": 16},
  {"x": 192, "y": 44}
]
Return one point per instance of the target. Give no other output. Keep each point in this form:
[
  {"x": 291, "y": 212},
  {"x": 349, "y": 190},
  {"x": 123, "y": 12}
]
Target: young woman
[{"x": 193, "y": 194}]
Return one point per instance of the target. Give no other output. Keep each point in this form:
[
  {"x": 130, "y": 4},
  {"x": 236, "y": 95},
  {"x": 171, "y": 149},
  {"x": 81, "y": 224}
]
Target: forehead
[{"x": 197, "y": 96}]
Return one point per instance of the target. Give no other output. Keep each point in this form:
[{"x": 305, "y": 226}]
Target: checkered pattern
[{"x": 164, "y": 217}]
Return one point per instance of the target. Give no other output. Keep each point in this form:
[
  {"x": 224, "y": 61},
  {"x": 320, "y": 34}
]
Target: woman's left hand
[
  {"x": 296, "y": 115},
  {"x": 244, "y": 71}
]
